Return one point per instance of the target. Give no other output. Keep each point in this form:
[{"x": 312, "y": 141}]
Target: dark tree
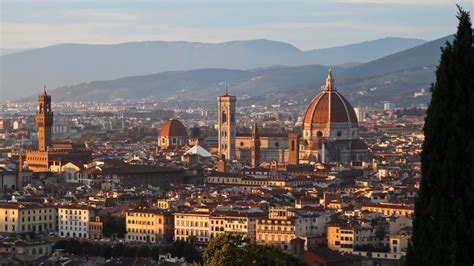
[
  {"x": 143, "y": 251},
  {"x": 155, "y": 252},
  {"x": 184, "y": 249},
  {"x": 113, "y": 225},
  {"x": 117, "y": 250},
  {"x": 443, "y": 227},
  {"x": 129, "y": 251}
]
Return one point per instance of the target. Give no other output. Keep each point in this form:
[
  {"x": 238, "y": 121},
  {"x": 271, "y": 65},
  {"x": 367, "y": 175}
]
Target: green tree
[
  {"x": 225, "y": 250},
  {"x": 230, "y": 249},
  {"x": 443, "y": 226}
]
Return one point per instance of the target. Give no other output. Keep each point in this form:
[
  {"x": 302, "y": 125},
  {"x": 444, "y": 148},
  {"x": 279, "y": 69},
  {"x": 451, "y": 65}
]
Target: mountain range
[
  {"x": 24, "y": 72},
  {"x": 391, "y": 78}
]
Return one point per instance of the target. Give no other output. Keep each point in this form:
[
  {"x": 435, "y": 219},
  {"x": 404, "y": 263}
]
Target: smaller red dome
[{"x": 173, "y": 128}]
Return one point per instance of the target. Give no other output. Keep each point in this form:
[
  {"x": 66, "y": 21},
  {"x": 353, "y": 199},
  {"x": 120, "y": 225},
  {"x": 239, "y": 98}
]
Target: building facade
[
  {"x": 74, "y": 221},
  {"x": 149, "y": 225},
  {"x": 226, "y": 126},
  {"x": 27, "y": 218},
  {"x": 50, "y": 156},
  {"x": 330, "y": 134}
]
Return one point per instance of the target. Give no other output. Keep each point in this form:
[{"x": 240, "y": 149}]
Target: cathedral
[
  {"x": 51, "y": 156},
  {"x": 330, "y": 134}
]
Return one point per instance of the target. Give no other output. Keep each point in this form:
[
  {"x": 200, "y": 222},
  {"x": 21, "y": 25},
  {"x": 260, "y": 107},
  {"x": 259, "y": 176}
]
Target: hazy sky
[{"x": 305, "y": 24}]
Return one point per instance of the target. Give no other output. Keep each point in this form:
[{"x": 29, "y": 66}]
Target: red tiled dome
[
  {"x": 173, "y": 128},
  {"x": 330, "y": 106}
]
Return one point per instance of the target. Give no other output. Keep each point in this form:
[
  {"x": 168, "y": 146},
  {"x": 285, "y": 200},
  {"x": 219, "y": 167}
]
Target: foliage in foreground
[{"x": 231, "y": 249}]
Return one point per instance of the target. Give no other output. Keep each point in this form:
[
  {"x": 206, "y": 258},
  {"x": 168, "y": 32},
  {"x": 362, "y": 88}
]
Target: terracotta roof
[
  {"x": 330, "y": 106},
  {"x": 173, "y": 128}
]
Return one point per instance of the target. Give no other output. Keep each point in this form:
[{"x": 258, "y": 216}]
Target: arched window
[{"x": 224, "y": 117}]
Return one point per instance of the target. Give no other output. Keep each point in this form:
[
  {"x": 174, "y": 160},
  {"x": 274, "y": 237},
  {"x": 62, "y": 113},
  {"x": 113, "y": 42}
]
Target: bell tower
[
  {"x": 255, "y": 146},
  {"x": 44, "y": 121},
  {"x": 226, "y": 125}
]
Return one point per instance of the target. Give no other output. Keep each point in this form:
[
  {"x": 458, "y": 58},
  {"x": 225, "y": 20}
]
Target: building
[
  {"x": 149, "y": 225},
  {"x": 244, "y": 223},
  {"x": 278, "y": 229},
  {"x": 95, "y": 228},
  {"x": 192, "y": 225},
  {"x": 74, "y": 221},
  {"x": 173, "y": 134},
  {"x": 51, "y": 154},
  {"x": 226, "y": 126},
  {"x": 10, "y": 179},
  {"x": 18, "y": 217},
  {"x": 388, "y": 209},
  {"x": 330, "y": 129},
  {"x": 330, "y": 134}
]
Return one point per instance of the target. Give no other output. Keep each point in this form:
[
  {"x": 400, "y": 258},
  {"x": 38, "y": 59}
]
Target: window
[{"x": 224, "y": 117}]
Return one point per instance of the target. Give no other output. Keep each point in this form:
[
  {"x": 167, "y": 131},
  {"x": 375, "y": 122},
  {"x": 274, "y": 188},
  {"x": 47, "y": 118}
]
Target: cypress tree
[{"x": 443, "y": 226}]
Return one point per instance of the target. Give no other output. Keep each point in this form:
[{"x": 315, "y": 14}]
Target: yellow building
[
  {"x": 389, "y": 209},
  {"x": 95, "y": 228},
  {"x": 278, "y": 229},
  {"x": 27, "y": 217},
  {"x": 192, "y": 224},
  {"x": 222, "y": 222},
  {"x": 148, "y": 225}
]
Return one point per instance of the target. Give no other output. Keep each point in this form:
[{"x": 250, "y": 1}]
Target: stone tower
[
  {"x": 44, "y": 121},
  {"x": 255, "y": 146},
  {"x": 293, "y": 149},
  {"x": 226, "y": 125}
]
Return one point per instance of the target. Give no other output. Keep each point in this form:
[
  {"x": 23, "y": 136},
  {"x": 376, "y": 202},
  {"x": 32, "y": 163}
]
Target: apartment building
[
  {"x": 74, "y": 221},
  {"x": 16, "y": 217},
  {"x": 95, "y": 228},
  {"x": 193, "y": 223},
  {"x": 278, "y": 229},
  {"x": 148, "y": 225},
  {"x": 222, "y": 222}
]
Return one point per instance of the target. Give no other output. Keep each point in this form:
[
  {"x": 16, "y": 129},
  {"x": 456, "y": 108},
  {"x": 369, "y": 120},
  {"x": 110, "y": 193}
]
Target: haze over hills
[
  {"x": 65, "y": 64},
  {"x": 394, "y": 77}
]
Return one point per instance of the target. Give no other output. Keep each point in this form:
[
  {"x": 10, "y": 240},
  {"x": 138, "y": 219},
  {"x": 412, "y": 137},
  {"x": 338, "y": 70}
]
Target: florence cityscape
[{"x": 323, "y": 133}]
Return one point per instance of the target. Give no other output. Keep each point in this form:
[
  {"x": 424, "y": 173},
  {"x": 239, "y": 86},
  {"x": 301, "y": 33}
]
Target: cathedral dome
[
  {"x": 173, "y": 128},
  {"x": 329, "y": 106}
]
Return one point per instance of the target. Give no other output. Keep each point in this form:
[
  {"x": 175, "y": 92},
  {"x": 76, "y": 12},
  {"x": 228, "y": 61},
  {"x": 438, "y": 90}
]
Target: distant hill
[
  {"x": 23, "y": 73},
  {"x": 5, "y": 51},
  {"x": 394, "y": 78},
  {"x": 362, "y": 52}
]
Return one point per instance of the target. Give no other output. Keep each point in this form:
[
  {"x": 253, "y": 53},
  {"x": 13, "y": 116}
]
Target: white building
[
  {"x": 74, "y": 221},
  {"x": 193, "y": 224}
]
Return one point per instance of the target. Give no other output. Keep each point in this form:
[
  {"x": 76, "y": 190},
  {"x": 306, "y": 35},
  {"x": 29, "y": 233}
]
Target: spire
[
  {"x": 227, "y": 88},
  {"x": 330, "y": 82},
  {"x": 44, "y": 90}
]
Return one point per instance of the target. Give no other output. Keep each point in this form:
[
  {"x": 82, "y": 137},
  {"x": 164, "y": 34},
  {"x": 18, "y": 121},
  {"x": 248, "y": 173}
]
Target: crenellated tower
[{"x": 44, "y": 121}]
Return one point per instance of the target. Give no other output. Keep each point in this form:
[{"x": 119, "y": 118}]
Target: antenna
[{"x": 226, "y": 88}]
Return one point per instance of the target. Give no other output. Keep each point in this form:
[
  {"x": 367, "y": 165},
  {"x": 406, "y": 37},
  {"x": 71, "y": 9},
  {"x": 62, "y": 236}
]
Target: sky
[{"x": 307, "y": 24}]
